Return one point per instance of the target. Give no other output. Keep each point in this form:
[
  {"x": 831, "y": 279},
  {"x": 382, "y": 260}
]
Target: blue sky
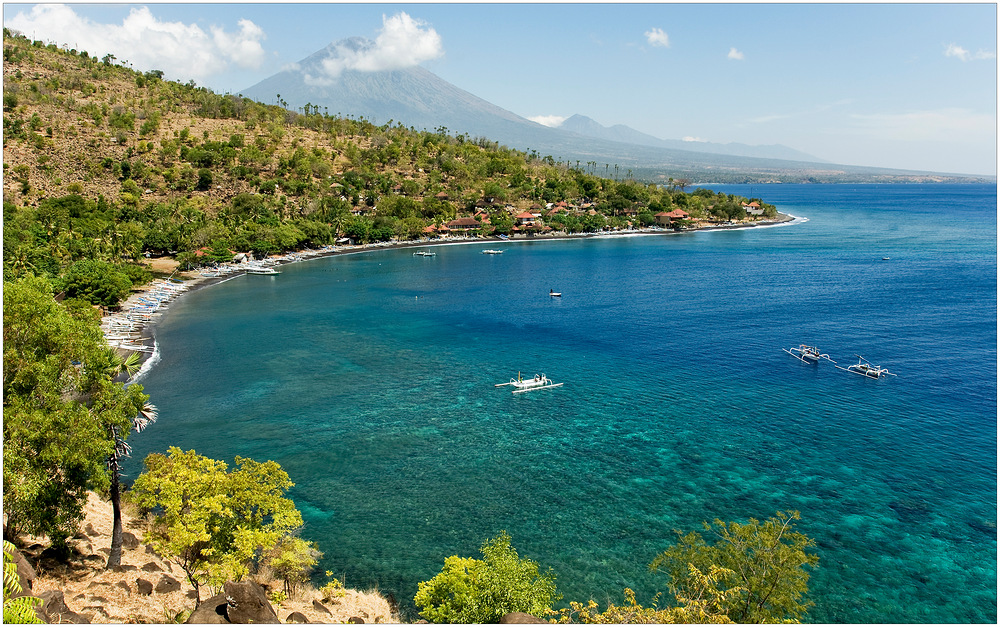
[{"x": 891, "y": 85}]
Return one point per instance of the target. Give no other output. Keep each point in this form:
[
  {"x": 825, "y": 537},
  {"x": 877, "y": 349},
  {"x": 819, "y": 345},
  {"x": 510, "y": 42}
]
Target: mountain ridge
[
  {"x": 620, "y": 132},
  {"x": 417, "y": 98}
]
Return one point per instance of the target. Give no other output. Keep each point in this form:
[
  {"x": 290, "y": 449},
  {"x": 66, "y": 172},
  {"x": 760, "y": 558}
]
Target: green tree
[
  {"x": 214, "y": 524},
  {"x": 60, "y": 404},
  {"x": 468, "y": 590},
  {"x": 292, "y": 561},
  {"x": 97, "y": 282},
  {"x": 706, "y": 607},
  {"x": 767, "y": 562}
]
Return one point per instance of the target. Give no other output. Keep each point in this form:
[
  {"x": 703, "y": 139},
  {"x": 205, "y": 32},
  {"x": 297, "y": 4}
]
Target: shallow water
[{"x": 369, "y": 378}]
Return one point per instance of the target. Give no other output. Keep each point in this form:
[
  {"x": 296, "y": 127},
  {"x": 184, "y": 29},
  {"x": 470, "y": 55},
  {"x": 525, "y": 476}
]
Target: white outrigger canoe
[
  {"x": 866, "y": 369},
  {"x": 807, "y": 354},
  {"x": 539, "y": 382}
]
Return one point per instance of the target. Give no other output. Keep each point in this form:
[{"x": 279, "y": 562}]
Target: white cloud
[
  {"x": 693, "y": 139},
  {"x": 953, "y": 50},
  {"x": 182, "y": 51},
  {"x": 549, "y": 120},
  {"x": 764, "y": 119},
  {"x": 403, "y": 42},
  {"x": 656, "y": 37},
  {"x": 735, "y": 54}
]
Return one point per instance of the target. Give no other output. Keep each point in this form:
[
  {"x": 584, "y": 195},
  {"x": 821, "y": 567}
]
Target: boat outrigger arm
[
  {"x": 539, "y": 382},
  {"x": 807, "y": 354}
]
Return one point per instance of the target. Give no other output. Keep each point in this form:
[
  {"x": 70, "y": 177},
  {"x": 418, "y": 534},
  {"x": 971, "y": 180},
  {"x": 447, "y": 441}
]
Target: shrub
[
  {"x": 469, "y": 590},
  {"x": 97, "y": 282}
]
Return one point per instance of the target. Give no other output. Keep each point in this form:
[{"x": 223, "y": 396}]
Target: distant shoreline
[{"x": 193, "y": 280}]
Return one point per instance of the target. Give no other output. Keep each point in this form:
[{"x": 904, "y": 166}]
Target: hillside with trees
[
  {"x": 108, "y": 164},
  {"x": 105, "y": 166}
]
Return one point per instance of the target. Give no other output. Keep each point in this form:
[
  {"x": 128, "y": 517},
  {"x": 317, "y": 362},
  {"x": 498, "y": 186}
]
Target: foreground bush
[{"x": 468, "y": 590}]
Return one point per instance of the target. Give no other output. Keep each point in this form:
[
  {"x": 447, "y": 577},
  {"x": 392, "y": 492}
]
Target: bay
[{"x": 369, "y": 378}]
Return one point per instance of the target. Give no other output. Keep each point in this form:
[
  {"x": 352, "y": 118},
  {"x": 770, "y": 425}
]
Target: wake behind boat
[{"x": 539, "y": 382}]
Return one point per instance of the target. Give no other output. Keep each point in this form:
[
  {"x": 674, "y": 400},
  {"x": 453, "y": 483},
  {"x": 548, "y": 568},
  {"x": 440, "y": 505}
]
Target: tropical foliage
[
  {"x": 469, "y": 590},
  {"x": 764, "y": 567},
  {"x": 16, "y": 609},
  {"x": 61, "y": 403},
  {"x": 214, "y": 523}
]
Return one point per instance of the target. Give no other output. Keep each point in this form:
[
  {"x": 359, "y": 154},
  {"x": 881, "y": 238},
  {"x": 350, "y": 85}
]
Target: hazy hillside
[
  {"x": 417, "y": 98},
  {"x": 621, "y": 133}
]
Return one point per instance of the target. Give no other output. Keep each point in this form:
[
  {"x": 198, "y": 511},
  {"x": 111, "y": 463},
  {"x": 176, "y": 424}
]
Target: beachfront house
[
  {"x": 464, "y": 224},
  {"x": 525, "y": 219},
  {"x": 666, "y": 218},
  {"x": 753, "y": 209}
]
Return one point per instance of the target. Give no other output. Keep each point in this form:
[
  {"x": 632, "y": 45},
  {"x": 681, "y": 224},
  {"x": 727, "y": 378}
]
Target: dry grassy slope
[
  {"x": 73, "y": 154},
  {"x": 100, "y": 594}
]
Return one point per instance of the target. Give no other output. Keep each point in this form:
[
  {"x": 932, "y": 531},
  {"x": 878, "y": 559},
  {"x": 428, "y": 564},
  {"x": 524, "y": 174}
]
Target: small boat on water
[
  {"x": 490, "y": 251},
  {"x": 866, "y": 369},
  {"x": 538, "y": 382},
  {"x": 807, "y": 354},
  {"x": 553, "y": 293},
  {"x": 423, "y": 253},
  {"x": 266, "y": 271}
]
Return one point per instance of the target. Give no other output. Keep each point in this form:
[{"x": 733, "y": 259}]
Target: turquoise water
[{"x": 369, "y": 378}]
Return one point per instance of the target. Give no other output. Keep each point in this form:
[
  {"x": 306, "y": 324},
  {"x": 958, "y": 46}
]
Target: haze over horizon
[{"x": 829, "y": 80}]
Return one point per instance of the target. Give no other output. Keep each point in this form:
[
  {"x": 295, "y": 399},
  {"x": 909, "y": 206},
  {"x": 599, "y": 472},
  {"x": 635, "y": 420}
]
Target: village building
[
  {"x": 665, "y": 218},
  {"x": 463, "y": 224}
]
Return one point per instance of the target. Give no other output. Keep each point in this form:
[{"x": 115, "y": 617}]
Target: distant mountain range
[
  {"x": 620, "y": 133},
  {"x": 418, "y": 98}
]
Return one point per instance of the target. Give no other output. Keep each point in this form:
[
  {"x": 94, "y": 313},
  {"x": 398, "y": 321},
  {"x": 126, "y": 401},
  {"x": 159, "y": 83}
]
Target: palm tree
[{"x": 145, "y": 417}]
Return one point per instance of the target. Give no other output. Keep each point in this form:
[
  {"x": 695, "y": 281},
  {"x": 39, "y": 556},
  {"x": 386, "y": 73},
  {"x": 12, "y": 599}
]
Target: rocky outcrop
[
  {"x": 319, "y": 607},
  {"x": 167, "y": 584},
  {"x": 144, "y": 587},
  {"x": 129, "y": 541},
  {"x": 520, "y": 618},
  {"x": 55, "y": 610},
  {"x": 296, "y": 617},
  {"x": 242, "y": 603}
]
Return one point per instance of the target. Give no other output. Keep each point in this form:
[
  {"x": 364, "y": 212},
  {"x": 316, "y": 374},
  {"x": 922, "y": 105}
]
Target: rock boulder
[{"x": 55, "y": 610}]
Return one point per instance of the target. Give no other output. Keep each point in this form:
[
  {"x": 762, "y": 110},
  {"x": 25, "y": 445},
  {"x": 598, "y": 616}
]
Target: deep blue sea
[{"x": 369, "y": 378}]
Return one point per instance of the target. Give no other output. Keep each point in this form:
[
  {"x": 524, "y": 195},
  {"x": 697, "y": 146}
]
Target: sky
[{"x": 910, "y": 86}]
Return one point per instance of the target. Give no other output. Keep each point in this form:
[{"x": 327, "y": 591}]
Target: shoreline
[{"x": 192, "y": 280}]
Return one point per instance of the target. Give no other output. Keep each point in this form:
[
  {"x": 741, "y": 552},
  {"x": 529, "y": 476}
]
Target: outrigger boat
[
  {"x": 807, "y": 354},
  {"x": 539, "y": 382},
  {"x": 259, "y": 270},
  {"x": 490, "y": 251},
  {"x": 865, "y": 369},
  {"x": 423, "y": 253}
]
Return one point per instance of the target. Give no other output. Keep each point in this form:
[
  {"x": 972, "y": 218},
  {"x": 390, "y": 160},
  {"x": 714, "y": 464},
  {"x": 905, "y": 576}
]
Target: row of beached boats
[
  {"x": 812, "y": 355},
  {"x": 124, "y": 330}
]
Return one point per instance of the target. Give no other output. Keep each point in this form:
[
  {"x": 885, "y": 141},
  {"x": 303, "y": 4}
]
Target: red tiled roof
[{"x": 525, "y": 215}]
